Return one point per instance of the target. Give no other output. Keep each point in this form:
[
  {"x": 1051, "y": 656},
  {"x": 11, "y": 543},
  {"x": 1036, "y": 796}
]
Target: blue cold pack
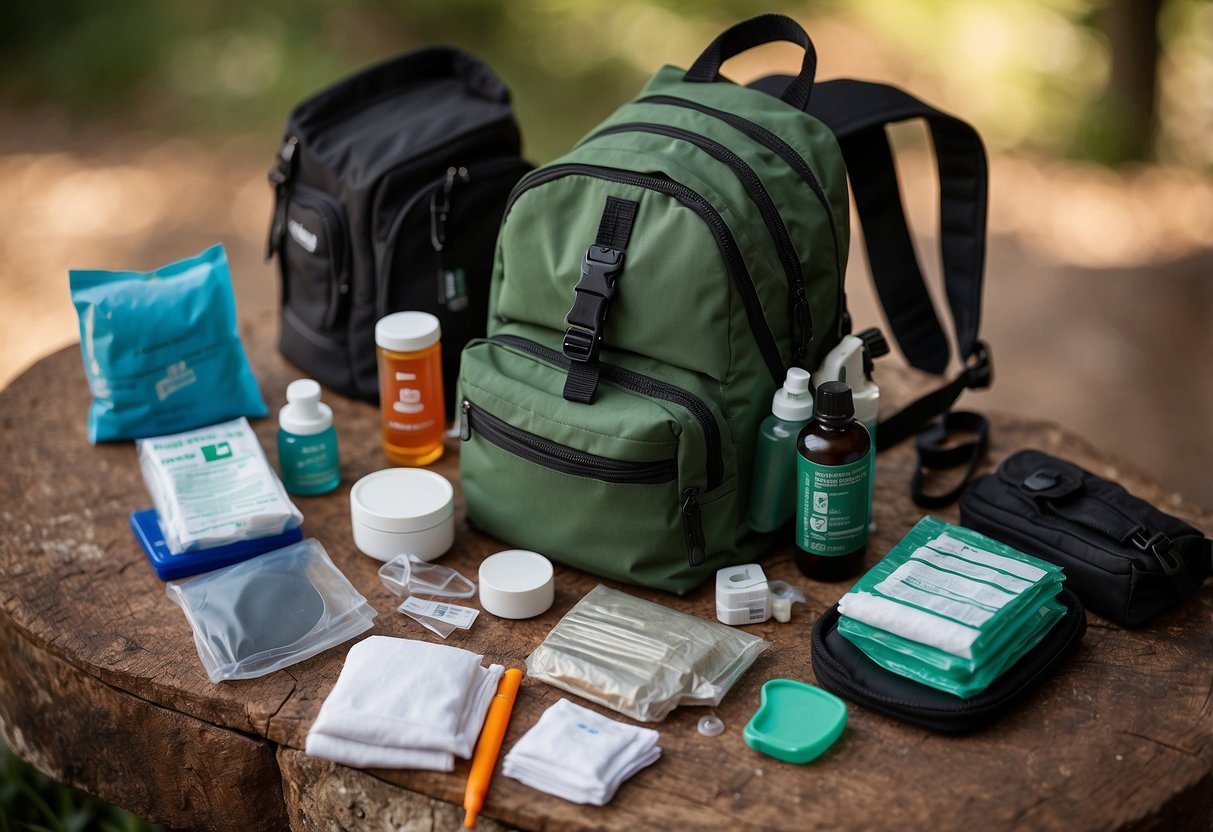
[
  {"x": 161, "y": 349},
  {"x": 170, "y": 566}
]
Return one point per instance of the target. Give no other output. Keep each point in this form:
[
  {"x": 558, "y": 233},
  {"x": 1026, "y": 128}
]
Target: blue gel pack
[
  {"x": 162, "y": 350},
  {"x": 172, "y": 565}
]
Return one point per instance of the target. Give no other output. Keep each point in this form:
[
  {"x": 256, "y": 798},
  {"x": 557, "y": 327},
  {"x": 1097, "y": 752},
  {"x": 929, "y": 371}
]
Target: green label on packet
[{"x": 833, "y": 506}]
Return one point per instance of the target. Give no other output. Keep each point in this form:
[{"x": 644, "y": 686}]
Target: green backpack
[{"x": 650, "y": 289}]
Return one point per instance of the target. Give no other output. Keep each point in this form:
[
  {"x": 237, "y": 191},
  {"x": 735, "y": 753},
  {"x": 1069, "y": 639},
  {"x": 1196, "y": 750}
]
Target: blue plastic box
[{"x": 172, "y": 565}]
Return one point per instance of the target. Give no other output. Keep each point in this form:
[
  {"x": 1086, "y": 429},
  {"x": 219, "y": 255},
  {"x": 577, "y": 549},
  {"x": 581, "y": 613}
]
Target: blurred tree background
[{"x": 1108, "y": 80}]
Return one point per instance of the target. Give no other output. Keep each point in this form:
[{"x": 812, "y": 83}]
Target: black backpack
[{"x": 389, "y": 189}]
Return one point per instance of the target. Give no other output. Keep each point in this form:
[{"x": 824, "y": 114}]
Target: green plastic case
[{"x": 795, "y": 722}]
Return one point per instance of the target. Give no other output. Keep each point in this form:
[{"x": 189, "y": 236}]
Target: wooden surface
[{"x": 101, "y": 685}]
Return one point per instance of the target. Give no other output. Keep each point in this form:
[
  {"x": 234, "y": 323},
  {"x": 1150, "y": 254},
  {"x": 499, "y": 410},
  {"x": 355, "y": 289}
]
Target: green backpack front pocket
[{"x": 634, "y": 487}]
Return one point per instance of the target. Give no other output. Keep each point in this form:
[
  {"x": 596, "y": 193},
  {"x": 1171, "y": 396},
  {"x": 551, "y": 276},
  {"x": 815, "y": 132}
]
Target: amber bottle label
[{"x": 833, "y": 504}]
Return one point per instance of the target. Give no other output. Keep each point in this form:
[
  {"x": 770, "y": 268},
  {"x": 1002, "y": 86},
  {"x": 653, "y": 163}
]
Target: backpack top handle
[{"x": 756, "y": 31}]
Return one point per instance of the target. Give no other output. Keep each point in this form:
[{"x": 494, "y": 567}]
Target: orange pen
[{"x": 484, "y": 760}]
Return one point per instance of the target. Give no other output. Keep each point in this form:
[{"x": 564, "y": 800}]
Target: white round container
[
  {"x": 403, "y": 511},
  {"x": 516, "y": 584}
]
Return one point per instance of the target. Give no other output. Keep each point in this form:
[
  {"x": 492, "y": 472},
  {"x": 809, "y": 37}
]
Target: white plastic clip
[{"x": 742, "y": 595}]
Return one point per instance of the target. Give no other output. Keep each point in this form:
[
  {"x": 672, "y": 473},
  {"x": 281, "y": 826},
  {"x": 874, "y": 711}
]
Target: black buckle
[
  {"x": 979, "y": 372},
  {"x": 591, "y": 300},
  {"x": 1159, "y": 545},
  {"x": 581, "y": 345},
  {"x": 1042, "y": 480},
  {"x": 284, "y": 166}
]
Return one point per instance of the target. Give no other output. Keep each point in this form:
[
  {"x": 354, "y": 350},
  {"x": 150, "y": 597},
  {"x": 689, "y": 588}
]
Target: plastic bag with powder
[{"x": 639, "y": 658}]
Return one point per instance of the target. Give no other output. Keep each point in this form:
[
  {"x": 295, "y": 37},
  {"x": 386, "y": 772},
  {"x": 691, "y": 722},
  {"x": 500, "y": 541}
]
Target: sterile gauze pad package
[
  {"x": 213, "y": 486},
  {"x": 161, "y": 349},
  {"x": 272, "y": 611}
]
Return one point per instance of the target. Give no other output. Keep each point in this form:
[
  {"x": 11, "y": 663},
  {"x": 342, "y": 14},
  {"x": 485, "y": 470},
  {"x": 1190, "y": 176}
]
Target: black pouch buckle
[
  {"x": 1163, "y": 549},
  {"x": 592, "y": 297}
]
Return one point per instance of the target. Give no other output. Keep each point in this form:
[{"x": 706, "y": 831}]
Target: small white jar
[{"x": 403, "y": 511}]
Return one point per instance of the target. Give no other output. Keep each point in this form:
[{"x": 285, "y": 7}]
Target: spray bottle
[
  {"x": 773, "y": 491},
  {"x": 851, "y": 362}
]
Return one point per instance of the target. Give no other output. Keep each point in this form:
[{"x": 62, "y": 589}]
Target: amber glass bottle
[
  {"x": 410, "y": 387},
  {"x": 833, "y": 500}
]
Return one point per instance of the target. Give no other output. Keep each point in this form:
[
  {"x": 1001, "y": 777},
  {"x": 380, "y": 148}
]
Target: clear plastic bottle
[
  {"x": 410, "y": 387},
  {"x": 307, "y": 441},
  {"x": 773, "y": 488},
  {"x": 833, "y": 488}
]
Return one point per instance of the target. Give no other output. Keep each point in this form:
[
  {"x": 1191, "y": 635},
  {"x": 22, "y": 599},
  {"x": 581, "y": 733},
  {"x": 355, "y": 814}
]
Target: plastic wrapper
[
  {"x": 161, "y": 349},
  {"x": 270, "y": 612},
  {"x": 951, "y": 608},
  {"x": 639, "y": 658},
  {"x": 407, "y": 575},
  {"x": 213, "y": 486}
]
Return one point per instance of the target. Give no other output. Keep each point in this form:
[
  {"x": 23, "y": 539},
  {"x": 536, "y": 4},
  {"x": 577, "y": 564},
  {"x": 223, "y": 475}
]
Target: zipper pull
[
  {"x": 440, "y": 206},
  {"x": 802, "y": 325},
  {"x": 692, "y": 527},
  {"x": 465, "y": 425}
]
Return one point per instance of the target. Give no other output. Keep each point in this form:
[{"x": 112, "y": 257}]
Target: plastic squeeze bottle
[
  {"x": 851, "y": 361},
  {"x": 773, "y": 490},
  {"x": 833, "y": 492},
  {"x": 307, "y": 441}
]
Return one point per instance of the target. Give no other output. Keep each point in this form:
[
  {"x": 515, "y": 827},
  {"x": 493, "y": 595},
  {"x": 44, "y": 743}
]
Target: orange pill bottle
[{"x": 410, "y": 387}]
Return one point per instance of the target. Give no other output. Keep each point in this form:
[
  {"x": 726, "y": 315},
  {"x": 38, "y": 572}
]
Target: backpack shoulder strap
[{"x": 857, "y": 112}]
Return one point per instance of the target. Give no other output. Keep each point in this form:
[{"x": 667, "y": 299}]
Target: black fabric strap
[
  {"x": 907, "y": 421},
  {"x": 767, "y": 28},
  {"x": 600, "y": 269},
  {"x": 857, "y": 112},
  {"x": 615, "y": 227},
  {"x": 935, "y": 455}
]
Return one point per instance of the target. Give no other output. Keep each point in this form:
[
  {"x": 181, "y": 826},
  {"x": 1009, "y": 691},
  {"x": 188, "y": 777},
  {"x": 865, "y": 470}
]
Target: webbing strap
[
  {"x": 600, "y": 269},
  {"x": 615, "y": 227},
  {"x": 857, "y": 112}
]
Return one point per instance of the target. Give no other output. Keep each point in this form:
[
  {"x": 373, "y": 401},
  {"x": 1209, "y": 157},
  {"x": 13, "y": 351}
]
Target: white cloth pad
[
  {"x": 400, "y": 703},
  {"x": 579, "y": 755}
]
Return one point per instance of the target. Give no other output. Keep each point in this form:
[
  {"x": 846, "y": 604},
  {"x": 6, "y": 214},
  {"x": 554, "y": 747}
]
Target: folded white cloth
[
  {"x": 400, "y": 703},
  {"x": 579, "y": 755}
]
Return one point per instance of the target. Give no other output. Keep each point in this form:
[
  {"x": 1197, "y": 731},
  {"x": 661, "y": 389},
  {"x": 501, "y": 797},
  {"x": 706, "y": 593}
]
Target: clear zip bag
[{"x": 270, "y": 612}]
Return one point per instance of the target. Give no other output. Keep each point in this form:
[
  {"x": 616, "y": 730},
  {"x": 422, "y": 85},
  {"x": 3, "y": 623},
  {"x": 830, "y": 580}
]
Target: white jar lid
[
  {"x": 402, "y": 500},
  {"x": 407, "y": 331},
  {"x": 516, "y": 584}
]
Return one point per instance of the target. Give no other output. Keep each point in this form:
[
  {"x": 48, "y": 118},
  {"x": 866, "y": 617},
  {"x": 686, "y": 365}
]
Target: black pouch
[
  {"x": 1124, "y": 558},
  {"x": 844, "y": 669}
]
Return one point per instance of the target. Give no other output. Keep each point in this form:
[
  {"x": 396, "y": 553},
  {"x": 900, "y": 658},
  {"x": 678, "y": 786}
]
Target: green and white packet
[
  {"x": 213, "y": 486},
  {"x": 951, "y": 607}
]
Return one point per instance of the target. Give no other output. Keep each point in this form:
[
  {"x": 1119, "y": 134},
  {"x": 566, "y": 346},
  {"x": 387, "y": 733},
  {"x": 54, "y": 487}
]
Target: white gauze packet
[{"x": 213, "y": 486}]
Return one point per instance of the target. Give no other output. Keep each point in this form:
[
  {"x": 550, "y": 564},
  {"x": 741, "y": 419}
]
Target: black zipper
[
  {"x": 778, "y": 146},
  {"x": 559, "y": 457},
  {"x": 800, "y": 317},
  {"x": 564, "y": 459},
  {"x": 693, "y": 200},
  {"x": 645, "y": 386},
  {"x": 469, "y": 175}
]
